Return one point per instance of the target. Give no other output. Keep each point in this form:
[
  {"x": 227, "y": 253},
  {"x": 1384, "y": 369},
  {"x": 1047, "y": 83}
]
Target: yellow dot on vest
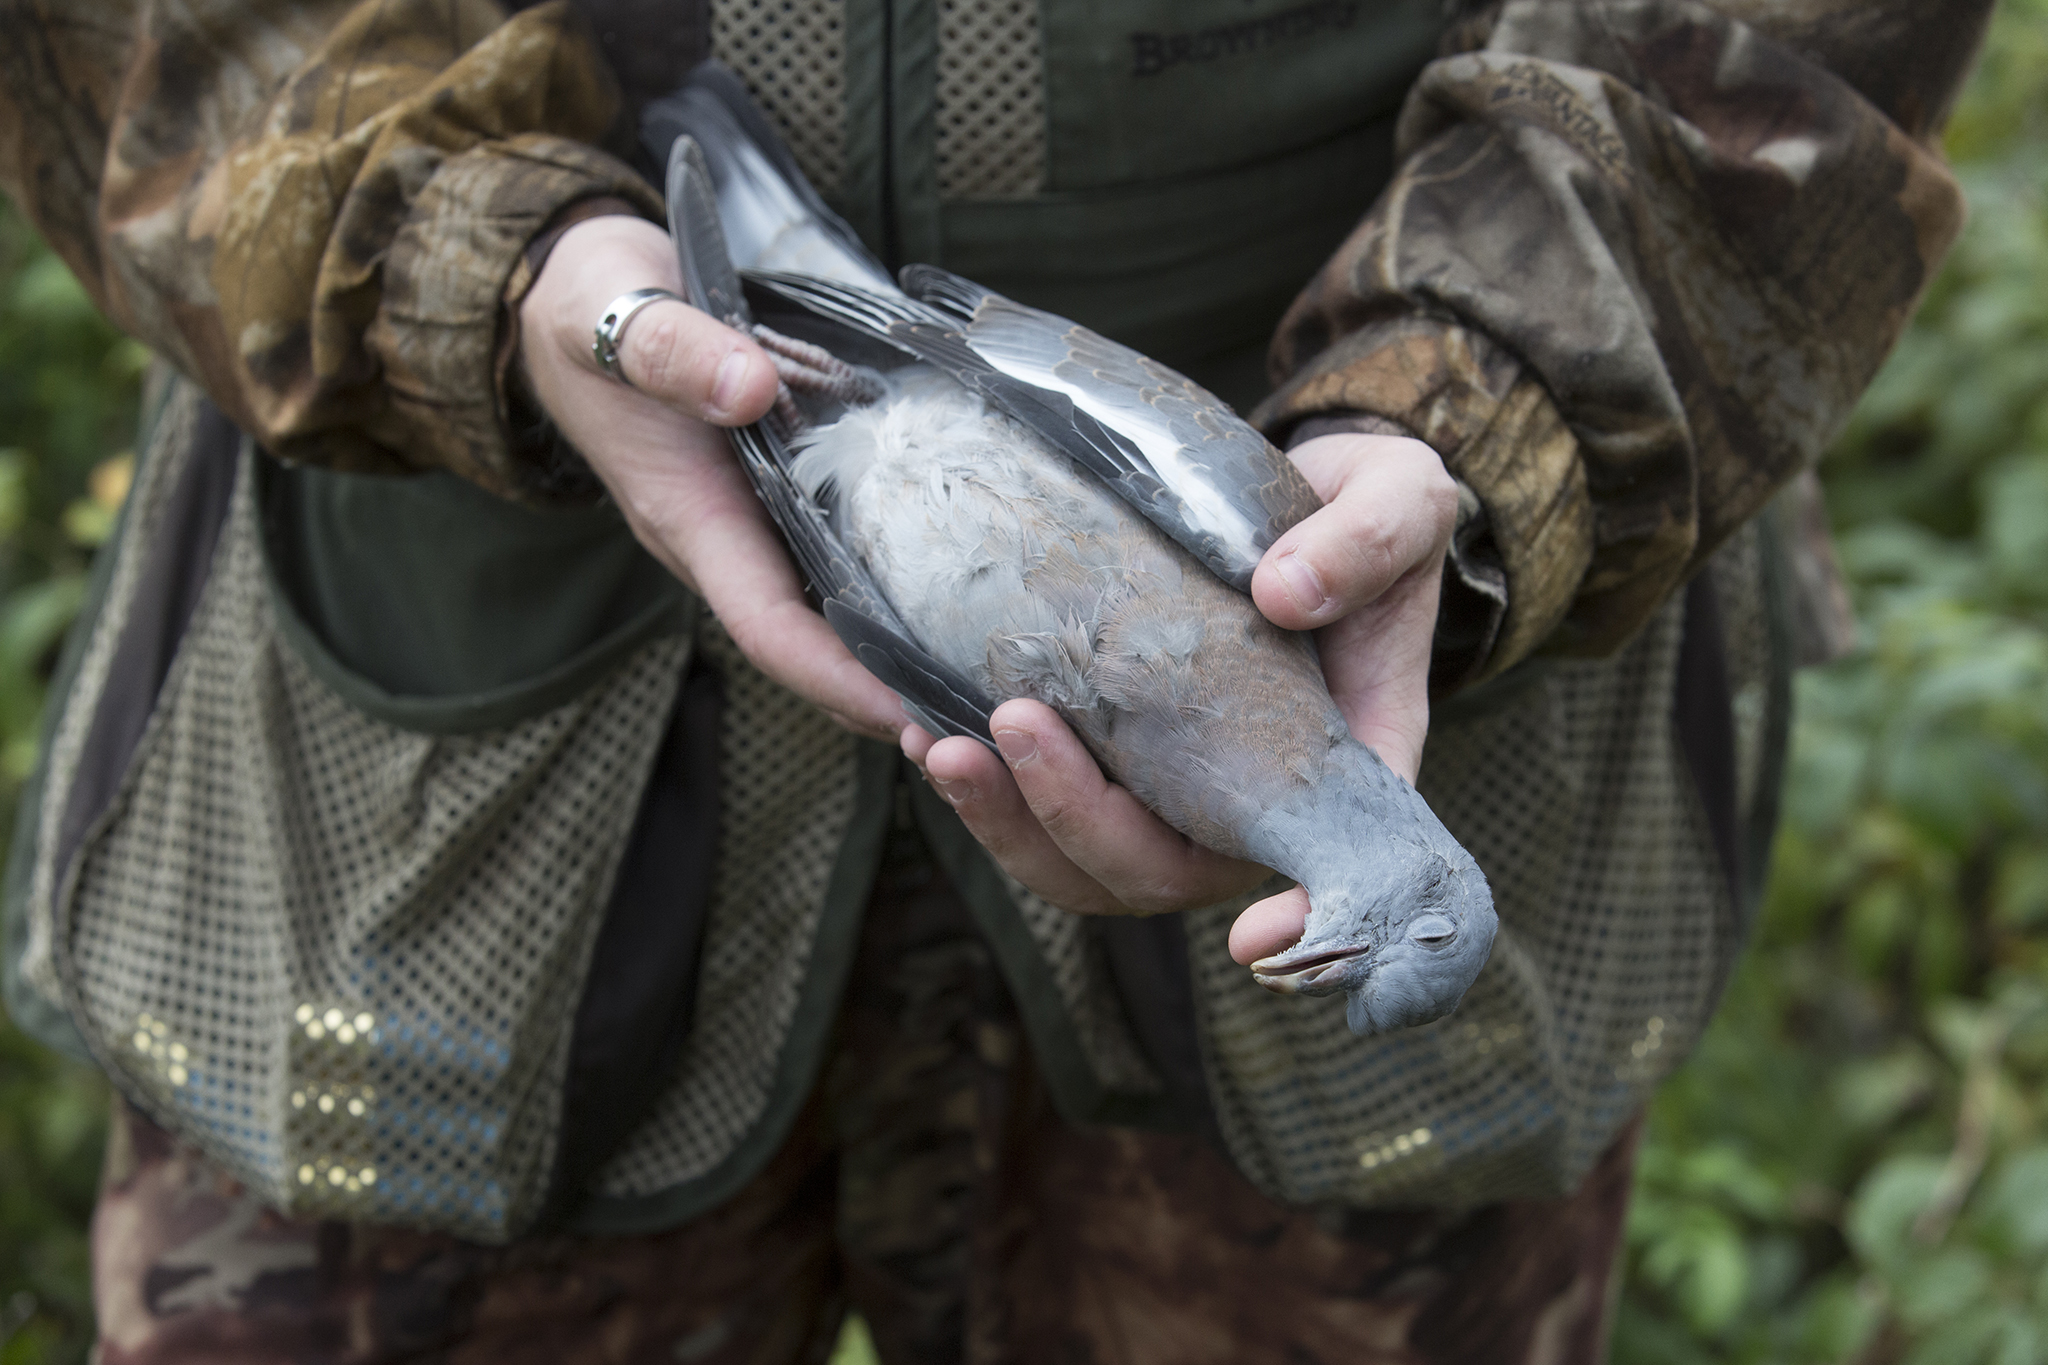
[
  {"x": 304, "y": 1014},
  {"x": 345, "y": 1034},
  {"x": 368, "y": 1175},
  {"x": 363, "y": 1022},
  {"x": 305, "y": 1175},
  {"x": 333, "y": 1018},
  {"x": 327, "y": 1104},
  {"x": 336, "y": 1176}
]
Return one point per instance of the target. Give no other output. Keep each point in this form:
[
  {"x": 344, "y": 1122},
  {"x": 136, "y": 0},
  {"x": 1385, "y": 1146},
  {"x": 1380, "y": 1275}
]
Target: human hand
[
  {"x": 1363, "y": 573},
  {"x": 657, "y": 448}
]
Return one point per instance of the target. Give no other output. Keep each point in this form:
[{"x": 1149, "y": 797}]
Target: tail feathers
[
  {"x": 773, "y": 218},
  {"x": 694, "y": 222}
]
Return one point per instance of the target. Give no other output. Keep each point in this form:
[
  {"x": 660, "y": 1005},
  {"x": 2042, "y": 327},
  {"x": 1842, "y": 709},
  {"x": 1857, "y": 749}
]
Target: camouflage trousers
[{"x": 928, "y": 1186}]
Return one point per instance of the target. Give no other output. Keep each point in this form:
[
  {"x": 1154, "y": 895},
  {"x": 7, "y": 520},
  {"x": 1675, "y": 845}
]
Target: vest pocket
[{"x": 344, "y": 947}]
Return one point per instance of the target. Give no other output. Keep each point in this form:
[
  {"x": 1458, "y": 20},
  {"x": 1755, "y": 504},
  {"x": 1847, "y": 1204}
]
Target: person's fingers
[
  {"x": 975, "y": 784},
  {"x": 697, "y": 365},
  {"x": 1144, "y": 863},
  {"x": 1269, "y": 926},
  {"x": 1376, "y": 664},
  {"x": 1365, "y": 573},
  {"x": 698, "y": 512},
  {"x": 917, "y": 742},
  {"x": 688, "y": 360},
  {"x": 672, "y": 476},
  {"x": 1389, "y": 508}
]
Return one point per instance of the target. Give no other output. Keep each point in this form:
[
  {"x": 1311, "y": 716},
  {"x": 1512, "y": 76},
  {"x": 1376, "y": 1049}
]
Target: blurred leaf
[
  {"x": 1872, "y": 1092},
  {"x": 1839, "y": 1322},
  {"x": 1877, "y": 923},
  {"x": 1700, "y": 1257},
  {"x": 87, "y": 523},
  {"x": 14, "y": 494},
  {"x": 48, "y": 295},
  {"x": 2017, "y": 1197},
  {"x": 2015, "y": 535},
  {"x": 1880, "y": 1221},
  {"x": 1973, "y": 1337},
  {"x": 1943, "y": 1287},
  {"x": 33, "y": 619},
  {"x": 2019, "y": 896}
]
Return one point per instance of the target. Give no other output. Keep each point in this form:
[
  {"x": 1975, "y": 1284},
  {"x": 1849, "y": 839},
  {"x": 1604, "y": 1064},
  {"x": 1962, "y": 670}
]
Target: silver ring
[{"x": 611, "y": 328}]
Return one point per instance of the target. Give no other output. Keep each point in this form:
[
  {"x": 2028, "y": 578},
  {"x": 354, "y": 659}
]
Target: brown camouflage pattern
[
  {"x": 928, "y": 1185},
  {"x": 312, "y": 206},
  {"x": 1639, "y": 260}
]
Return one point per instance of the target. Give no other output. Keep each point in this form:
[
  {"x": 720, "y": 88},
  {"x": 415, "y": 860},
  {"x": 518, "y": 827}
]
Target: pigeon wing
[
  {"x": 942, "y": 701},
  {"x": 708, "y": 276},
  {"x": 1170, "y": 448},
  {"x": 772, "y": 216},
  {"x": 1187, "y": 461}
]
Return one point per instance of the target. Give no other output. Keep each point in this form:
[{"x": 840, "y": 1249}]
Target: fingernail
[
  {"x": 1302, "y": 584},
  {"x": 732, "y": 377},
  {"x": 956, "y": 792},
  {"x": 1019, "y": 746}
]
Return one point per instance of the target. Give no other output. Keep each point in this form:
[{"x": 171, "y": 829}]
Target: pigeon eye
[{"x": 1433, "y": 931}]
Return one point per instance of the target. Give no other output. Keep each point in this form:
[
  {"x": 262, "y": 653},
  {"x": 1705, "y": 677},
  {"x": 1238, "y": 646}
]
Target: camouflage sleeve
[
  {"x": 1638, "y": 262},
  {"x": 315, "y": 207}
]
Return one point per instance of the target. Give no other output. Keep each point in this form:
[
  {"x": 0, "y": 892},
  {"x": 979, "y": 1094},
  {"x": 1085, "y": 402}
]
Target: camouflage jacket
[{"x": 1637, "y": 260}]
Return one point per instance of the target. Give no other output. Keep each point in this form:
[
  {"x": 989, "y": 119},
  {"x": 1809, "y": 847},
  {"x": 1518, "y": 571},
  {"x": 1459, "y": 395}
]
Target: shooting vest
[{"x": 432, "y": 860}]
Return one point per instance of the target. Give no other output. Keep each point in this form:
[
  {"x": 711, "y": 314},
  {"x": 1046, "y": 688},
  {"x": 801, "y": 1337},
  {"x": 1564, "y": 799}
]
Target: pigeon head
[{"x": 1403, "y": 938}]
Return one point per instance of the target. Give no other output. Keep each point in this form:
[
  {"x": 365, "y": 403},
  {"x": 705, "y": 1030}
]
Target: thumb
[
  {"x": 697, "y": 364},
  {"x": 1376, "y": 662}
]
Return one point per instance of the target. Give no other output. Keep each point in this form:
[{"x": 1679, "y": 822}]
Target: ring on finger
[{"x": 610, "y": 331}]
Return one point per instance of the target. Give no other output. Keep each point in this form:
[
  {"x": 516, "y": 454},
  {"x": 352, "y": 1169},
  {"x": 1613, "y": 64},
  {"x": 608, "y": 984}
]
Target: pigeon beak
[{"x": 1306, "y": 968}]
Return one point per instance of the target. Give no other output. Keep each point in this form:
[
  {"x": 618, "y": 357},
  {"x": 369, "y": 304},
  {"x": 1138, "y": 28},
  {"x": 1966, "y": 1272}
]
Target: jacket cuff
[
  {"x": 458, "y": 259},
  {"x": 1500, "y": 436},
  {"x": 559, "y": 471}
]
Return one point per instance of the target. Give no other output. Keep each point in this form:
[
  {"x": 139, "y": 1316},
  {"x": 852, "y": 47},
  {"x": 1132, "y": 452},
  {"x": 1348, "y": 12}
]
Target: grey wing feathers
[
  {"x": 858, "y": 612},
  {"x": 1198, "y": 470},
  {"x": 772, "y": 216},
  {"x": 708, "y": 277},
  {"x": 1023, "y": 362},
  {"x": 943, "y": 702}
]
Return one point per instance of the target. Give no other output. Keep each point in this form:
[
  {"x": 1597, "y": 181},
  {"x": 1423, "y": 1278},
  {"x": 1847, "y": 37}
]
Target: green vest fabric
[{"x": 1204, "y": 157}]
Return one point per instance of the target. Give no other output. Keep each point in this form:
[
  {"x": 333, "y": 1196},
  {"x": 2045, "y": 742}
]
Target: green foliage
[
  {"x": 1854, "y": 1166},
  {"x": 68, "y": 386}
]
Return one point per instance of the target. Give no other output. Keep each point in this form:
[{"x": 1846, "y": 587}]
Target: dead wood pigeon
[{"x": 993, "y": 502}]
